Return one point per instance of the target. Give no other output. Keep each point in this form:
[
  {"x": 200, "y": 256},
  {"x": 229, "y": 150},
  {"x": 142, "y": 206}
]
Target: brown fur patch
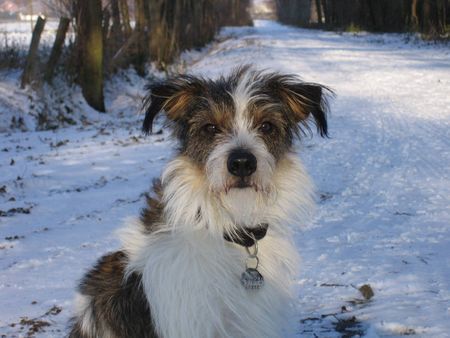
[
  {"x": 177, "y": 105},
  {"x": 119, "y": 307},
  {"x": 151, "y": 215}
]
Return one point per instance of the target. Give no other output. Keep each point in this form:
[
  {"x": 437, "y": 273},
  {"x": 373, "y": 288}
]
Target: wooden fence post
[
  {"x": 57, "y": 48},
  {"x": 32, "y": 53}
]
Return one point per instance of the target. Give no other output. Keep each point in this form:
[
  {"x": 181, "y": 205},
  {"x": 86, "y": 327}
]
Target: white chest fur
[
  {"x": 192, "y": 282},
  {"x": 191, "y": 276}
]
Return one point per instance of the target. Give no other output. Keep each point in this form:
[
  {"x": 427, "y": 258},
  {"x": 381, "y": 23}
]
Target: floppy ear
[
  {"x": 303, "y": 100},
  {"x": 173, "y": 96}
]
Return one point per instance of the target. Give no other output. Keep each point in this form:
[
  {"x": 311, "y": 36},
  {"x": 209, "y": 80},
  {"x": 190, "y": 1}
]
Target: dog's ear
[
  {"x": 303, "y": 100},
  {"x": 173, "y": 96}
]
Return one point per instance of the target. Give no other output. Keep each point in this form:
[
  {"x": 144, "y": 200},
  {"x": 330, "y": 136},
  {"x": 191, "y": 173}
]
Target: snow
[{"x": 383, "y": 186}]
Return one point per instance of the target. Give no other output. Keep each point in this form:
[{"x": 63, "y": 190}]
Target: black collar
[{"x": 247, "y": 236}]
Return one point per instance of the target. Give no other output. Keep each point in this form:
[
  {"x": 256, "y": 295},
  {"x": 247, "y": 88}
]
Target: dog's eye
[
  {"x": 266, "y": 127},
  {"x": 211, "y": 129}
]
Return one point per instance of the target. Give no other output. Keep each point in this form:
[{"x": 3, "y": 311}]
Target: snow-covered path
[{"x": 383, "y": 181}]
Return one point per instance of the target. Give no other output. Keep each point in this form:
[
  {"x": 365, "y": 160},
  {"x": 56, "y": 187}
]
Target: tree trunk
[
  {"x": 319, "y": 12},
  {"x": 32, "y": 53},
  {"x": 140, "y": 57},
  {"x": 90, "y": 42},
  {"x": 442, "y": 16},
  {"x": 116, "y": 28},
  {"x": 106, "y": 15},
  {"x": 414, "y": 23},
  {"x": 431, "y": 18},
  {"x": 163, "y": 31},
  {"x": 326, "y": 12},
  {"x": 57, "y": 48},
  {"x": 376, "y": 14},
  {"x": 125, "y": 14}
]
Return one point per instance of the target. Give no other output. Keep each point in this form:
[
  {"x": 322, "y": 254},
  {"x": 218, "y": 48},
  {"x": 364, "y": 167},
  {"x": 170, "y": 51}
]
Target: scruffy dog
[{"x": 212, "y": 253}]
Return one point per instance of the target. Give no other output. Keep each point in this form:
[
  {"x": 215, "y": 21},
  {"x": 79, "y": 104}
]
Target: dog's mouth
[{"x": 241, "y": 184}]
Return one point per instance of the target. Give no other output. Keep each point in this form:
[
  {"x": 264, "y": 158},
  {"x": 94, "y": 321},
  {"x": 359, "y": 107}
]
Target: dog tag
[{"x": 252, "y": 279}]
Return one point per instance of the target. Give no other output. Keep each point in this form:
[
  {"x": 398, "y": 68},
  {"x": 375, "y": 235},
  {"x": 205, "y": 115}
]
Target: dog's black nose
[{"x": 241, "y": 163}]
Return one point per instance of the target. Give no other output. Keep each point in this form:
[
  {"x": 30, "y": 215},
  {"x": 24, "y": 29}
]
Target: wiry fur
[{"x": 176, "y": 275}]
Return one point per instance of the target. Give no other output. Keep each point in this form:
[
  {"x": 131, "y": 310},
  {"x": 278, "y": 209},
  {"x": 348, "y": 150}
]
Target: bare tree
[
  {"x": 57, "y": 48},
  {"x": 105, "y": 40},
  {"x": 125, "y": 15},
  {"x": 30, "y": 64},
  {"x": 90, "y": 50}
]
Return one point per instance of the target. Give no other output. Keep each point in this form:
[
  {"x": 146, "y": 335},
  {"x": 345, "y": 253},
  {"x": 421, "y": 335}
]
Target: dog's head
[{"x": 238, "y": 128}]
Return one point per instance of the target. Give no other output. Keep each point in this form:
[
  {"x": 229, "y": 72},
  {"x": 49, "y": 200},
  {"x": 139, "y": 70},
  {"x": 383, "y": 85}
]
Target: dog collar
[{"x": 247, "y": 236}]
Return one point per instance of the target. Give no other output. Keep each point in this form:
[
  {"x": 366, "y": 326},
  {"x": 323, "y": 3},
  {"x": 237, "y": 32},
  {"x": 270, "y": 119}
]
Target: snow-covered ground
[
  {"x": 20, "y": 109},
  {"x": 383, "y": 182}
]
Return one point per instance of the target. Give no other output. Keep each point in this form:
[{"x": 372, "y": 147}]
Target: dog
[{"x": 212, "y": 253}]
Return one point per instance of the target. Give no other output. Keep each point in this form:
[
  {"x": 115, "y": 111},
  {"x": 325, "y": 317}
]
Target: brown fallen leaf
[{"x": 367, "y": 291}]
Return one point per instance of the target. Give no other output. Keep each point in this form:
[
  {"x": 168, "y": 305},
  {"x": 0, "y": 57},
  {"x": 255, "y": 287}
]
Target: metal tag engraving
[{"x": 252, "y": 279}]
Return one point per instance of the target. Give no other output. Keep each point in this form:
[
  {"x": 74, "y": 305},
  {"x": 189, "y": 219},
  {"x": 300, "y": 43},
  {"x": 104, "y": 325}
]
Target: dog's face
[{"x": 236, "y": 129}]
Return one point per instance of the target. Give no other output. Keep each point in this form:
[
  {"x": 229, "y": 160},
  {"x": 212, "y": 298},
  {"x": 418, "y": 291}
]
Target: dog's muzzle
[{"x": 241, "y": 163}]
